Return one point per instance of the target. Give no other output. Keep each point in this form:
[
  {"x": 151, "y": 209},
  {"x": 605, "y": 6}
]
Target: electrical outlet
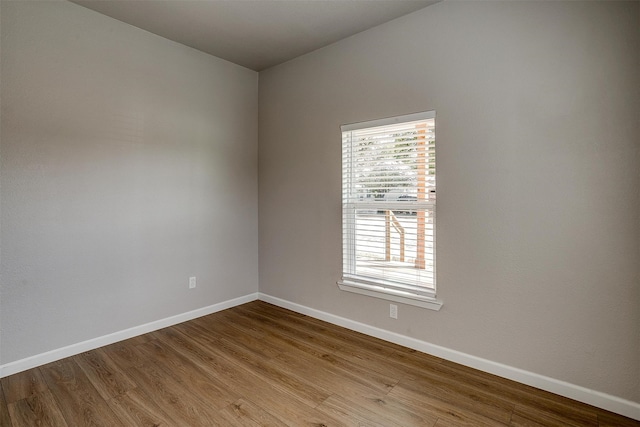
[
  {"x": 393, "y": 311},
  {"x": 192, "y": 282}
]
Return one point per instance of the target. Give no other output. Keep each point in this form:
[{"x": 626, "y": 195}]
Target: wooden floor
[{"x": 260, "y": 365}]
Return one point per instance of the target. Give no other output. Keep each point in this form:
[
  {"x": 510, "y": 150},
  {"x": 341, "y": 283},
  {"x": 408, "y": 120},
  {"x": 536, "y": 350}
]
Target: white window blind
[{"x": 388, "y": 203}]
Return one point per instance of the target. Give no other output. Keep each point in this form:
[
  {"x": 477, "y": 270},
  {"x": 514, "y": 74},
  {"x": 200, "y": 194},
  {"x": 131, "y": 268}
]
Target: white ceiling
[{"x": 256, "y": 34}]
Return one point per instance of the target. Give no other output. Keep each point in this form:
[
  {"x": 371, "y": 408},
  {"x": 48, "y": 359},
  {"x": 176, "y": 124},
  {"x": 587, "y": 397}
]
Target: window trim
[
  {"x": 396, "y": 295},
  {"x": 377, "y": 289},
  {"x": 414, "y": 117}
]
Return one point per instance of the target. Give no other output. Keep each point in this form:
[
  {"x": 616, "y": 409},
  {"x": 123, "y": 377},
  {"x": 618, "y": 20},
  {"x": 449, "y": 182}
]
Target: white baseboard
[
  {"x": 601, "y": 400},
  {"x": 73, "y": 349}
]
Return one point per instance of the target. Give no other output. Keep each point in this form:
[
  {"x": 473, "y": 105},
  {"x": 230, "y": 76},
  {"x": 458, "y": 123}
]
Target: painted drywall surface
[
  {"x": 538, "y": 174},
  {"x": 129, "y": 164}
]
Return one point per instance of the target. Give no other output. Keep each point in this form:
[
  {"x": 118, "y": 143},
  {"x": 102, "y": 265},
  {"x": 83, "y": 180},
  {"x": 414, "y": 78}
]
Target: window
[{"x": 389, "y": 207}]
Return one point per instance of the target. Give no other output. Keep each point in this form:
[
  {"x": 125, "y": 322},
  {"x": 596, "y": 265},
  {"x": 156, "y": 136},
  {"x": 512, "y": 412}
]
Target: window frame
[{"x": 417, "y": 295}]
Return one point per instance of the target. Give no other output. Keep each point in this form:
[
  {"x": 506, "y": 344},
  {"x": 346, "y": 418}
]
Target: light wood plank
[
  {"x": 285, "y": 405},
  {"x": 125, "y": 354},
  {"x": 135, "y": 408},
  {"x": 23, "y": 384},
  {"x": 550, "y": 417},
  {"x": 372, "y": 409},
  {"x": 199, "y": 381},
  {"x": 456, "y": 393},
  {"x": 447, "y": 412},
  {"x": 38, "y": 409},
  {"x": 5, "y": 420},
  {"x": 245, "y": 413},
  {"x": 225, "y": 327},
  {"x": 527, "y": 398},
  {"x": 105, "y": 376},
  {"x": 77, "y": 399},
  {"x": 298, "y": 387},
  {"x": 324, "y": 345},
  {"x": 185, "y": 408}
]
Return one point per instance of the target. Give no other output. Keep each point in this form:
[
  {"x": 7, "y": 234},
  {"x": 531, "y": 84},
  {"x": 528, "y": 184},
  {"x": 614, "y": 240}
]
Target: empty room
[{"x": 319, "y": 213}]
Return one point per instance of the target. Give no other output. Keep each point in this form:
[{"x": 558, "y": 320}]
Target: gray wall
[
  {"x": 538, "y": 234},
  {"x": 129, "y": 163}
]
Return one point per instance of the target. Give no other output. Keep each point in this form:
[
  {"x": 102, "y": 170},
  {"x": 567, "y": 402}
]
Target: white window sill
[{"x": 391, "y": 295}]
